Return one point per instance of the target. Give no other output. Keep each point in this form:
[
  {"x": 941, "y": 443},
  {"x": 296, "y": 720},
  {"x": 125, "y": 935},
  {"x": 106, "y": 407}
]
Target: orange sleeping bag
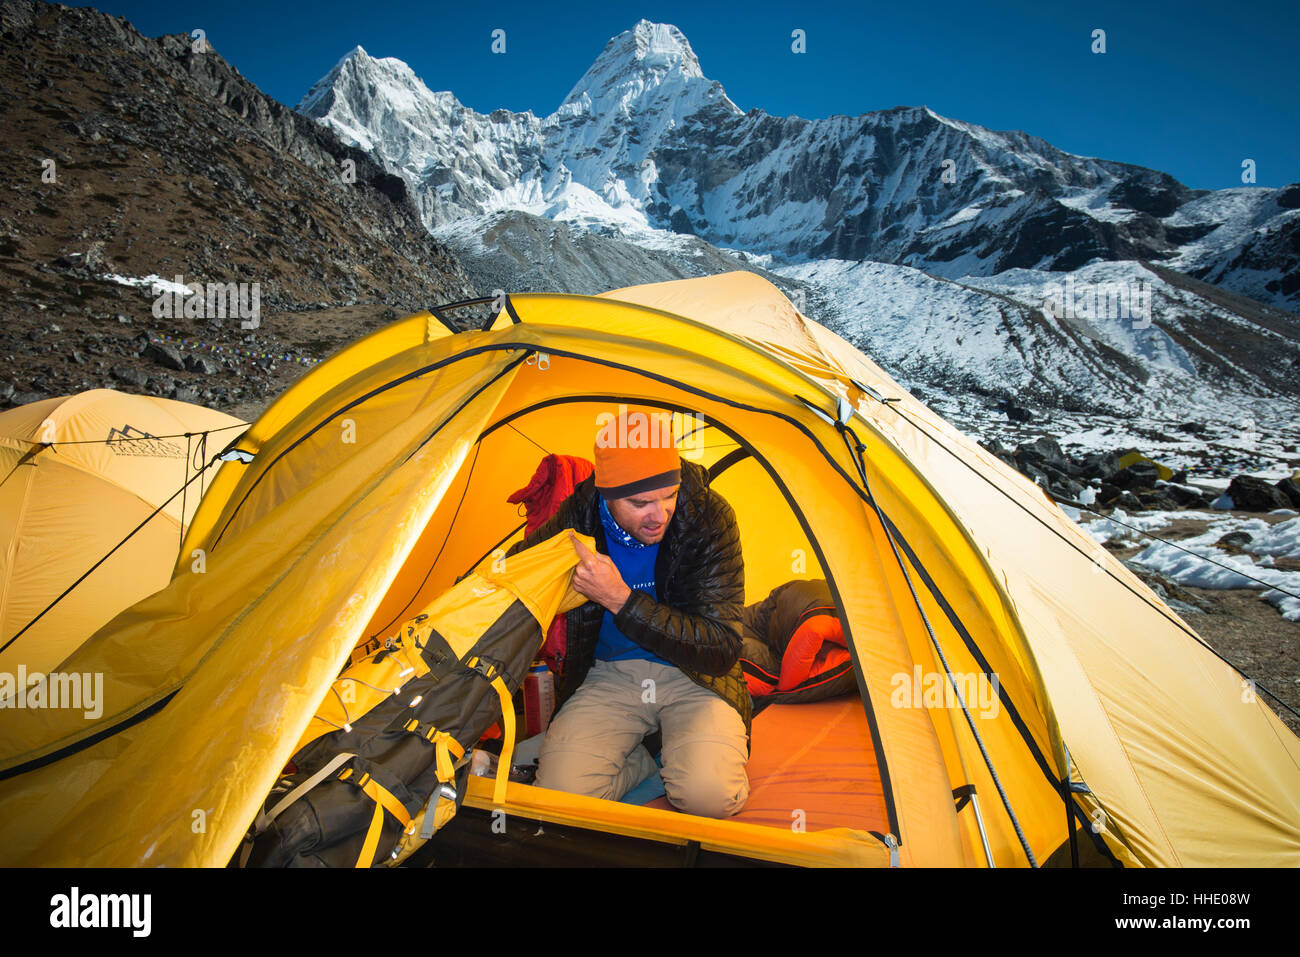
[{"x": 794, "y": 649}]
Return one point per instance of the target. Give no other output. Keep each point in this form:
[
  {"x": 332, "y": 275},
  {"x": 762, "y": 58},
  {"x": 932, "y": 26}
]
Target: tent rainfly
[{"x": 101, "y": 475}]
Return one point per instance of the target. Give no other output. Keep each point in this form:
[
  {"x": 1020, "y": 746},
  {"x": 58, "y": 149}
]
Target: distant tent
[
  {"x": 77, "y": 475},
  {"x": 382, "y": 476}
]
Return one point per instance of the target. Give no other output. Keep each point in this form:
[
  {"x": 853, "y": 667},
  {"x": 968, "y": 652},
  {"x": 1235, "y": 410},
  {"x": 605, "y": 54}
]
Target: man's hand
[{"x": 598, "y": 578}]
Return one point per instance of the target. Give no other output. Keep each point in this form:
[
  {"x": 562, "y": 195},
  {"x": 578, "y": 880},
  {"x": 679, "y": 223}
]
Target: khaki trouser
[{"x": 593, "y": 746}]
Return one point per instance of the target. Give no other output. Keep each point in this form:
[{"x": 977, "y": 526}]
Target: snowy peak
[
  {"x": 652, "y": 51},
  {"x": 647, "y": 58},
  {"x": 354, "y": 61},
  {"x": 644, "y": 93},
  {"x": 359, "y": 74},
  {"x": 366, "y": 100}
]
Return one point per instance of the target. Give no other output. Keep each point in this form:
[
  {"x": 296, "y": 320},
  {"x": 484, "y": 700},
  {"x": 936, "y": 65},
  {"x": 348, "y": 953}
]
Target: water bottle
[{"x": 539, "y": 699}]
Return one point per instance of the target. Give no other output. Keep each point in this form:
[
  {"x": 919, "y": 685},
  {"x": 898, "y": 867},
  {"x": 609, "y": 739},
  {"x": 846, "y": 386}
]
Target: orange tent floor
[{"x": 816, "y": 759}]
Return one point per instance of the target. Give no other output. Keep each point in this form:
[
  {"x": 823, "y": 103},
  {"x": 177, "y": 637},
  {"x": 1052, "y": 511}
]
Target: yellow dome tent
[
  {"x": 97, "y": 475},
  {"x": 381, "y": 477}
]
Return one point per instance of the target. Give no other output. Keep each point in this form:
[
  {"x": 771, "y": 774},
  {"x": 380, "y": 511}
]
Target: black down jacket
[{"x": 700, "y": 579}]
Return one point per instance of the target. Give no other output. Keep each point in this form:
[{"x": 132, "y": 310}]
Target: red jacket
[{"x": 553, "y": 482}]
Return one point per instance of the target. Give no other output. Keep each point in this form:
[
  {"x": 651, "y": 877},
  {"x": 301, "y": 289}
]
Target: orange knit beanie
[{"x": 635, "y": 452}]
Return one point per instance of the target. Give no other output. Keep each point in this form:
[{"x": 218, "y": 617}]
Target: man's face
[{"x": 645, "y": 516}]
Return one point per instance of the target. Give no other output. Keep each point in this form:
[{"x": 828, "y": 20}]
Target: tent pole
[
  {"x": 979, "y": 822},
  {"x": 967, "y": 793},
  {"x": 185, "y": 484}
]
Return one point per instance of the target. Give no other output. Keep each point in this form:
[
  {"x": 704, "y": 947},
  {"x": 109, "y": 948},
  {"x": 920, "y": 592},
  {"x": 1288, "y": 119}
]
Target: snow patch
[{"x": 1198, "y": 561}]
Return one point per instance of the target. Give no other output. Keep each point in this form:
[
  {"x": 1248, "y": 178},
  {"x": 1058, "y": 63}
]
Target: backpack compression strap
[
  {"x": 384, "y": 801},
  {"x": 491, "y": 672}
]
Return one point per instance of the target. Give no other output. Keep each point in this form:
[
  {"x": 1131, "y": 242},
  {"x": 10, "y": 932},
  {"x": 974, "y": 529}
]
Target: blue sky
[{"x": 1190, "y": 88}]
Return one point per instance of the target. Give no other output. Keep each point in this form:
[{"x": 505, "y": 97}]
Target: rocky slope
[
  {"x": 519, "y": 252},
  {"x": 164, "y": 161},
  {"x": 1186, "y": 349}
]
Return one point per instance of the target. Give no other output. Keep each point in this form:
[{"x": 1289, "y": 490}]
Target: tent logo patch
[{"x": 129, "y": 440}]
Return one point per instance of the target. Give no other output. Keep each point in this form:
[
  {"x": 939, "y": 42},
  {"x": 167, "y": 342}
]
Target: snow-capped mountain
[
  {"x": 645, "y": 89},
  {"x": 1243, "y": 239},
  {"x": 969, "y": 262},
  {"x": 646, "y": 142},
  {"x": 456, "y": 161}
]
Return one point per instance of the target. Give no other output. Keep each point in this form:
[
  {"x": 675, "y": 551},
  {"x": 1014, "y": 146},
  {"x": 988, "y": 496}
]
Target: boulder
[
  {"x": 1157, "y": 500},
  {"x": 167, "y": 356},
  {"x": 1103, "y": 466},
  {"x": 1250, "y": 494},
  {"x": 1237, "y": 539},
  {"x": 1291, "y": 489},
  {"x": 1182, "y": 495},
  {"x": 1015, "y": 413},
  {"x": 1061, "y": 483},
  {"x": 202, "y": 364},
  {"x": 1129, "y": 502},
  {"x": 1108, "y": 493},
  {"x": 996, "y": 448},
  {"x": 1036, "y": 475},
  {"x": 1041, "y": 452},
  {"x": 130, "y": 376},
  {"x": 1139, "y": 475}
]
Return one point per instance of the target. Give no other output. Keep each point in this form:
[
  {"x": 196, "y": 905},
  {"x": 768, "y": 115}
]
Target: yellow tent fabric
[
  {"x": 77, "y": 475},
  {"x": 240, "y": 653},
  {"x": 381, "y": 478},
  {"x": 538, "y": 578},
  {"x": 1132, "y": 458}
]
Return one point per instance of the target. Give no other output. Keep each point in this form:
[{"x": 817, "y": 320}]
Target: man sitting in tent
[{"x": 657, "y": 648}]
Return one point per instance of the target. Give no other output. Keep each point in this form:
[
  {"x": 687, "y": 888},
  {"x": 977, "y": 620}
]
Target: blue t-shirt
[{"x": 635, "y": 561}]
